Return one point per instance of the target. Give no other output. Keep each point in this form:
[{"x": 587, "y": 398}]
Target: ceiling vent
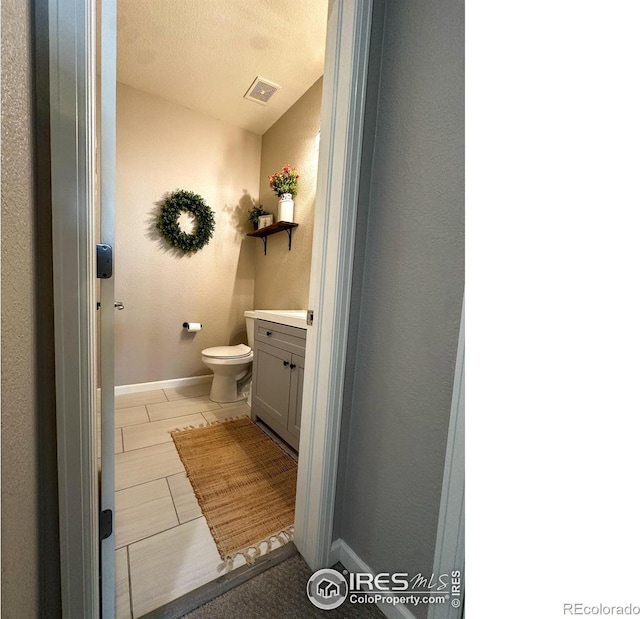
[{"x": 261, "y": 91}]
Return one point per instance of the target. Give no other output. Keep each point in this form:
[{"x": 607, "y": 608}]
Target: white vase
[{"x": 285, "y": 208}]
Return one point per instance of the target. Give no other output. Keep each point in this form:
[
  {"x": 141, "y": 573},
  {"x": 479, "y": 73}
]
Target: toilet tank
[{"x": 249, "y": 317}]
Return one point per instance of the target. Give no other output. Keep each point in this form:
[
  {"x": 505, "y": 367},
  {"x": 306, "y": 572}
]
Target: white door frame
[
  {"x": 450, "y": 541},
  {"x": 341, "y": 122},
  {"x": 72, "y": 68},
  {"x": 108, "y": 61},
  {"x": 72, "y": 117}
]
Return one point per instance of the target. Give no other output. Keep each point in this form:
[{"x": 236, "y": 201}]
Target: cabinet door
[
  {"x": 272, "y": 375},
  {"x": 295, "y": 397}
]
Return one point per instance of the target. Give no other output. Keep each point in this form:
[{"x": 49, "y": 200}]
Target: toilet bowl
[
  {"x": 231, "y": 367},
  {"x": 229, "y": 364}
]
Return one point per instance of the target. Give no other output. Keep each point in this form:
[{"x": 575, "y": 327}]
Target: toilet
[{"x": 231, "y": 366}]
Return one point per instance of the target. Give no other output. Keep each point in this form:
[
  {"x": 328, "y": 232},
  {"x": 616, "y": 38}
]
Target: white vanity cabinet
[{"x": 278, "y": 376}]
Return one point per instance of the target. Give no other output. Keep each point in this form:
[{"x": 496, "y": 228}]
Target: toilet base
[
  {"x": 228, "y": 377},
  {"x": 224, "y": 389}
]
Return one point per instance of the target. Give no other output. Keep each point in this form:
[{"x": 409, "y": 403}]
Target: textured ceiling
[{"x": 204, "y": 54}]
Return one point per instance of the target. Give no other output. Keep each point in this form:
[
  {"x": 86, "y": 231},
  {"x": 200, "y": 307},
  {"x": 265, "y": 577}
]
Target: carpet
[
  {"x": 279, "y": 593},
  {"x": 245, "y": 485}
]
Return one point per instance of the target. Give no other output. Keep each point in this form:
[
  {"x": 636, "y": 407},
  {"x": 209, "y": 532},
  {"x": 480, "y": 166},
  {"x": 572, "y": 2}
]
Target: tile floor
[{"x": 163, "y": 545}]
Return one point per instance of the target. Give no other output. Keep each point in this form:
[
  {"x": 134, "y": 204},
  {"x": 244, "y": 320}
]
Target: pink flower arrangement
[{"x": 285, "y": 181}]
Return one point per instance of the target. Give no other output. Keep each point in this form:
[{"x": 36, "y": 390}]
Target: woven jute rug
[{"x": 245, "y": 485}]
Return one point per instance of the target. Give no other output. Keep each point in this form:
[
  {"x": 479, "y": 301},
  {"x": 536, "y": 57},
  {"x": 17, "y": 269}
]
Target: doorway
[
  {"x": 183, "y": 124},
  {"x": 342, "y": 108}
]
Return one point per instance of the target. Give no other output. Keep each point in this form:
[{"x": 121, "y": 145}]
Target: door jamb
[
  {"x": 449, "y": 552},
  {"x": 72, "y": 117},
  {"x": 342, "y": 120}
]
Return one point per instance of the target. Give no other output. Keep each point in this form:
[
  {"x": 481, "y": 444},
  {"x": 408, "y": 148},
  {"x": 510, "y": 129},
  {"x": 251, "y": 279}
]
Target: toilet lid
[{"x": 227, "y": 352}]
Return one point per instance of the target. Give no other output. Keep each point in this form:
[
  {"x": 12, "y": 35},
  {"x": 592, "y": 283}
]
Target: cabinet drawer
[{"x": 287, "y": 338}]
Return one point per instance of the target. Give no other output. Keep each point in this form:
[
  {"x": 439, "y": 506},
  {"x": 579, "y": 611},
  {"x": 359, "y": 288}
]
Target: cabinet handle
[
  {"x": 269, "y": 333},
  {"x": 285, "y": 363},
  {"x": 293, "y": 365}
]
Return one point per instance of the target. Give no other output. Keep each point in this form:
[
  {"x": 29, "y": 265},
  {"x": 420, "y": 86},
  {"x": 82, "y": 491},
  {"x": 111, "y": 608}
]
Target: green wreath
[{"x": 179, "y": 201}]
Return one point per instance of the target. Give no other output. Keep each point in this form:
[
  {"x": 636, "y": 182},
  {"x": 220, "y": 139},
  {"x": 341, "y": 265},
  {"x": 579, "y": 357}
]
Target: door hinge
[
  {"x": 106, "y": 523},
  {"x": 104, "y": 261},
  {"x": 310, "y": 317}
]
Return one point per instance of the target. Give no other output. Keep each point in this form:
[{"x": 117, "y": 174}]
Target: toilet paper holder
[{"x": 192, "y": 327}]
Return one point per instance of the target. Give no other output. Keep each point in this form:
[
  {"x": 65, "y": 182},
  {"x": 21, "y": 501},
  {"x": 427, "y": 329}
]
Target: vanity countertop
[{"x": 291, "y": 318}]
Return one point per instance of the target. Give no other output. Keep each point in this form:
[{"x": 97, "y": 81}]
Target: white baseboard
[
  {"x": 170, "y": 383},
  {"x": 341, "y": 551},
  {"x": 334, "y": 553}
]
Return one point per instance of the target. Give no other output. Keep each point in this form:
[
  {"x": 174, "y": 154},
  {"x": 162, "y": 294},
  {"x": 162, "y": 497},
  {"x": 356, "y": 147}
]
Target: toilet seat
[{"x": 227, "y": 352}]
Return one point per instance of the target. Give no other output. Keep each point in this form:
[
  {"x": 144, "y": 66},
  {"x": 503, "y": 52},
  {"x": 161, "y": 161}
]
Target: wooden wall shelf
[{"x": 280, "y": 226}]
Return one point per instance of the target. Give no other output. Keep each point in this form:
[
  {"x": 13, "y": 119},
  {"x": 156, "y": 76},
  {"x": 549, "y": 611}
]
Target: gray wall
[
  {"x": 408, "y": 289},
  {"x": 30, "y": 546}
]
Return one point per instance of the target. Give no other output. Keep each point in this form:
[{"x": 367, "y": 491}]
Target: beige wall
[
  {"x": 162, "y": 147},
  {"x": 19, "y": 458},
  {"x": 282, "y": 276}
]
